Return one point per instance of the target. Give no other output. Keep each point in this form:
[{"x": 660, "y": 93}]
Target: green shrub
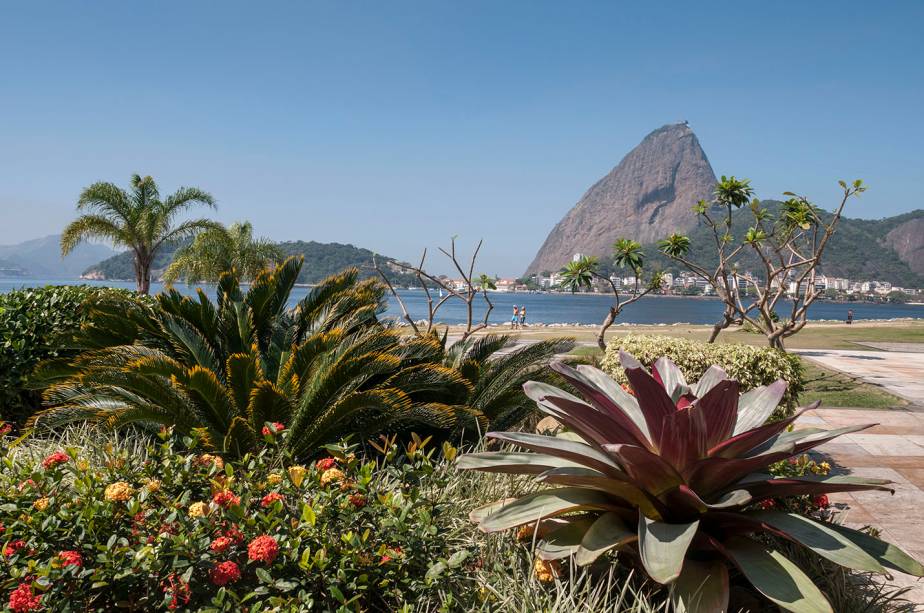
[
  {"x": 750, "y": 366},
  {"x": 34, "y": 323},
  {"x": 165, "y": 526}
]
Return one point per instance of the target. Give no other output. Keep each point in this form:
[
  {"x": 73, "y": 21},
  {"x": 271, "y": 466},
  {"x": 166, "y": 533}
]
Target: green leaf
[
  {"x": 563, "y": 541},
  {"x": 512, "y": 462},
  {"x": 608, "y": 532},
  {"x": 539, "y": 505},
  {"x": 887, "y": 554},
  {"x": 264, "y": 575},
  {"x": 702, "y": 587},
  {"x": 663, "y": 547},
  {"x": 821, "y": 539},
  {"x": 776, "y": 577}
]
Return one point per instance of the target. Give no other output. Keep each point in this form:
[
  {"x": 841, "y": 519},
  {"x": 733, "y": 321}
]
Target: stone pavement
[
  {"x": 892, "y": 450},
  {"x": 901, "y": 373}
]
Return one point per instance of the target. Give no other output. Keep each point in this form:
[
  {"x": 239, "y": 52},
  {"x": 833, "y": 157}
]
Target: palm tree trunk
[{"x": 143, "y": 273}]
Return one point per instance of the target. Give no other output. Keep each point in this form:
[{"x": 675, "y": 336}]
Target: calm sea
[{"x": 554, "y": 308}]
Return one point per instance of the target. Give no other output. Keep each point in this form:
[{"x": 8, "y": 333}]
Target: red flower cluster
[
  {"x": 71, "y": 558},
  {"x": 387, "y": 558},
  {"x": 278, "y": 427},
  {"x": 263, "y": 549},
  {"x": 225, "y": 573},
  {"x": 177, "y": 589},
  {"x": 58, "y": 457},
  {"x": 12, "y": 547},
  {"x": 358, "y": 500},
  {"x": 5, "y": 428},
  {"x": 225, "y": 498},
  {"x": 325, "y": 464},
  {"x": 821, "y": 501},
  {"x": 234, "y": 534},
  {"x": 25, "y": 484},
  {"x": 221, "y": 544},
  {"x": 22, "y": 599},
  {"x": 270, "y": 498}
]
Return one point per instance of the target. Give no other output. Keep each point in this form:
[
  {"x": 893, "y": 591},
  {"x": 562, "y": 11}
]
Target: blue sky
[{"x": 395, "y": 125}]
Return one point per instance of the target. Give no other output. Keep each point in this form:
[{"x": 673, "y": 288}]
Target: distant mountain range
[
  {"x": 650, "y": 193},
  {"x": 321, "y": 260},
  {"x": 41, "y": 257}
]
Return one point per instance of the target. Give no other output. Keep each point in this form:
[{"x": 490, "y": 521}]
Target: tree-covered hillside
[
  {"x": 321, "y": 260},
  {"x": 857, "y": 250}
]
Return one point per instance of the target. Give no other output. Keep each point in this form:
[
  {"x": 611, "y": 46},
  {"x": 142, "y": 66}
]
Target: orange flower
[
  {"x": 221, "y": 544},
  {"x": 546, "y": 570},
  {"x": 263, "y": 549},
  {"x": 225, "y": 573},
  {"x": 120, "y": 491},
  {"x": 225, "y": 498},
  {"x": 58, "y": 457},
  {"x": 325, "y": 464},
  {"x": 71, "y": 558},
  {"x": 270, "y": 498}
]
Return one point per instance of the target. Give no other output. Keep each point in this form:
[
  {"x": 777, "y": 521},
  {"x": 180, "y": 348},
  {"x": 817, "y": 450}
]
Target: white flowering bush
[{"x": 750, "y": 366}]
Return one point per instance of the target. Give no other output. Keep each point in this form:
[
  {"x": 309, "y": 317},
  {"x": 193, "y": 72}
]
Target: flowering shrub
[
  {"x": 170, "y": 528},
  {"x": 750, "y": 366}
]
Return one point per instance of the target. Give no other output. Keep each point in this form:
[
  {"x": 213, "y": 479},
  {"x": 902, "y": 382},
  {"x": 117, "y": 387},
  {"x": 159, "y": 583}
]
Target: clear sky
[{"x": 395, "y": 125}]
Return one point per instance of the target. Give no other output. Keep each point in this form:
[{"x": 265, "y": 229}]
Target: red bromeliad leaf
[
  {"x": 744, "y": 442},
  {"x": 603, "y": 403},
  {"x": 803, "y": 439},
  {"x": 715, "y": 474},
  {"x": 626, "y": 402},
  {"x": 581, "y": 453},
  {"x": 757, "y": 405},
  {"x": 593, "y": 425},
  {"x": 720, "y": 406},
  {"x": 629, "y": 493},
  {"x": 811, "y": 485},
  {"x": 671, "y": 379},
  {"x": 683, "y": 437},
  {"x": 516, "y": 463},
  {"x": 653, "y": 400},
  {"x": 646, "y": 469},
  {"x": 544, "y": 504},
  {"x": 713, "y": 375}
]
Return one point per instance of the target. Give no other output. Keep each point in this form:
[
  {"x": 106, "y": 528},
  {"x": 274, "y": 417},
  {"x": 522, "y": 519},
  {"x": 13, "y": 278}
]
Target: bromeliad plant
[{"x": 671, "y": 478}]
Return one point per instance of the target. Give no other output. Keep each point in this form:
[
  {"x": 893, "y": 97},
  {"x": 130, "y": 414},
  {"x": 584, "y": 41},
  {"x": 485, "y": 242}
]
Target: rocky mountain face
[
  {"x": 907, "y": 240},
  {"x": 648, "y": 196},
  {"x": 41, "y": 257}
]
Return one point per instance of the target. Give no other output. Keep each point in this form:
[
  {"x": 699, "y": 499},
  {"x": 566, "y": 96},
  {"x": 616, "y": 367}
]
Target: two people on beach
[{"x": 518, "y": 320}]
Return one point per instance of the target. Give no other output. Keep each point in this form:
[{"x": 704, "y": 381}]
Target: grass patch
[{"x": 836, "y": 389}]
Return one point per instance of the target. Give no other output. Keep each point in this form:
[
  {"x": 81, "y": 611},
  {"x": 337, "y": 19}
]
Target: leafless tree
[{"x": 468, "y": 293}]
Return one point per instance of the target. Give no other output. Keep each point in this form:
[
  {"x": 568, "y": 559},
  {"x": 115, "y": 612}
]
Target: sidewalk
[
  {"x": 892, "y": 450},
  {"x": 901, "y": 373}
]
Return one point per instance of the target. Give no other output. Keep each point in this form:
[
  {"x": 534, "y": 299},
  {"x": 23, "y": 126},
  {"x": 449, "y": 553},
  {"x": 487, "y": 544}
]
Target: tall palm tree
[
  {"x": 219, "y": 250},
  {"x": 579, "y": 274},
  {"x": 137, "y": 220}
]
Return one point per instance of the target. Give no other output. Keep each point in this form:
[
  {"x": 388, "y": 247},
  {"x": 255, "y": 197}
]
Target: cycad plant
[
  {"x": 670, "y": 479},
  {"x": 325, "y": 369},
  {"x": 495, "y": 374}
]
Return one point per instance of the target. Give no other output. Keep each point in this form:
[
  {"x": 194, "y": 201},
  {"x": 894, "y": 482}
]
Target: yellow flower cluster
[
  {"x": 41, "y": 504},
  {"x": 331, "y": 475},
  {"x": 207, "y": 459},
  {"x": 198, "y": 509},
  {"x": 274, "y": 478},
  {"x": 120, "y": 491},
  {"x": 822, "y": 468},
  {"x": 297, "y": 475},
  {"x": 546, "y": 570},
  {"x": 153, "y": 485}
]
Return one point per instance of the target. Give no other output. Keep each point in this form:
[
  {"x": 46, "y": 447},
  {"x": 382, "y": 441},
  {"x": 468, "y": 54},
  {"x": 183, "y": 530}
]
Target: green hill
[
  {"x": 321, "y": 260},
  {"x": 857, "y": 251}
]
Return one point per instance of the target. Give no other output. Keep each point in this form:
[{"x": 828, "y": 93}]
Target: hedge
[
  {"x": 34, "y": 325},
  {"x": 750, "y": 366}
]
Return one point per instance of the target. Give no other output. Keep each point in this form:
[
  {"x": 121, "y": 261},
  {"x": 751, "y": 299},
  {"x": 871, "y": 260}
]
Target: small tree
[
  {"x": 627, "y": 254},
  {"x": 471, "y": 288},
  {"x": 788, "y": 245}
]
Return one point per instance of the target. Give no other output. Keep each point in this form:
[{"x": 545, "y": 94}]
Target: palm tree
[
  {"x": 579, "y": 274},
  {"x": 137, "y": 220},
  {"x": 484, "y": 283},
  {"x": 325, "y": 369},
  {"x": 219, "y": 250}
]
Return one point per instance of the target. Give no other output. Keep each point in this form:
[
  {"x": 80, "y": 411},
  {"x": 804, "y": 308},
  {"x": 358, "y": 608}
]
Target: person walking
[
  {"x": 514, "y": 320},
  {"x": 522, "y": 316},
  {"x": 850, "y": 316}
]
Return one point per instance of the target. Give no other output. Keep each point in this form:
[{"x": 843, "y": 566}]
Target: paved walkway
[
  {"x": 901, "y": 373},
  {"x": 892, "y": 450}
]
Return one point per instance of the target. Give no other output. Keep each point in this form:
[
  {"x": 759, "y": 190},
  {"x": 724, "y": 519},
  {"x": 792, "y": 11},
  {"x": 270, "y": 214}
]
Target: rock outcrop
[
  {"x": 907, "y": 240},
  {"x": 649, "y": 195}
]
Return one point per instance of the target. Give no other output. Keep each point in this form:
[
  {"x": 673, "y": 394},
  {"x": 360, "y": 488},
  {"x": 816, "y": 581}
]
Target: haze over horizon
[{"x": 395, "y": 127}]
